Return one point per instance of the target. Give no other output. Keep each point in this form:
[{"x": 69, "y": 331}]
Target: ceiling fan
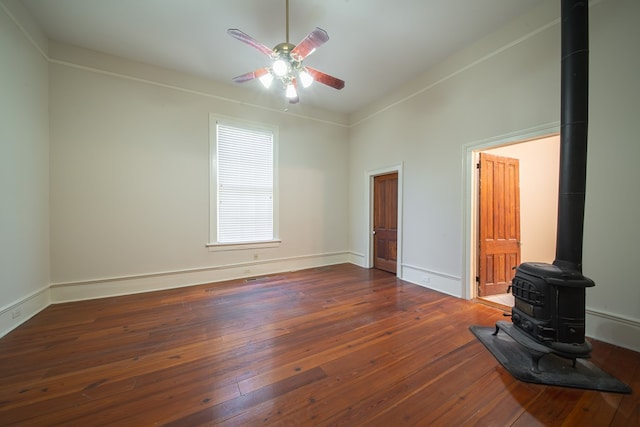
[{"x": 286, "y": 62}]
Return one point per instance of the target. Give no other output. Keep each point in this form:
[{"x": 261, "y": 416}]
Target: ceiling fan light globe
[
  {"x": 305, "y": 78},
  {"x": 291, "y": 91},
  {"x": 280, "y": 68},
  {"x": 266, "y": 80}
]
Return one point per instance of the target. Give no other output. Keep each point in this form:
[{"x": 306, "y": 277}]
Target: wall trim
[
  {"x": 460, "y": 70},
  {"x": 357, "y": 258},
  {"x": 191, "y": 91},
  {"x": 603, "y": 326},
  {"x": 613, "y": 328},
  {"x": 434, "y": 280},
  {"x": 125, "y": 285},
  {"x": 12, "y": 15},
  {"x": 18, "y": 312}
]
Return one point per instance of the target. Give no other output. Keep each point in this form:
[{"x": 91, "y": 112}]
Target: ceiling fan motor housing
[{"x": 284, "y": 65}]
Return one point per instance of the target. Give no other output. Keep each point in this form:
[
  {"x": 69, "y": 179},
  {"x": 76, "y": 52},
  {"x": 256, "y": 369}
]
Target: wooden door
[
  {"x": 499, "y": 207},
  {"x": 385, "y": 221}
]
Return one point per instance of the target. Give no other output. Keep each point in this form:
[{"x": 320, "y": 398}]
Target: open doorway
[{"x": 538, "y": 163}]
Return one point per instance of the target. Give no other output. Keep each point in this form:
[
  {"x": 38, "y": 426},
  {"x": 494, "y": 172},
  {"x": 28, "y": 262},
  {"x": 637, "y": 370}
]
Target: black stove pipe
[
  {"x": 573, "y": 133},
  {"x": 550, "y": 299}
]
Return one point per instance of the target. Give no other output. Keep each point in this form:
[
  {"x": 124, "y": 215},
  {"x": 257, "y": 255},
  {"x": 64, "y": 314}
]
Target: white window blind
[{"x": 245, "y": 184}]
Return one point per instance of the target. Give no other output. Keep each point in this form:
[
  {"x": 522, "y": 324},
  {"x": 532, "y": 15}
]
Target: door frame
[
  {"x": 470, "y": 200},
  {"x": 368, "y": 222}
]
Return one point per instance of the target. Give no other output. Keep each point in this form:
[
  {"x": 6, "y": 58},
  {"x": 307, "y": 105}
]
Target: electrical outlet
[
  {"x": 426, "y": 280},
  {"x": 16, "y": 313}
]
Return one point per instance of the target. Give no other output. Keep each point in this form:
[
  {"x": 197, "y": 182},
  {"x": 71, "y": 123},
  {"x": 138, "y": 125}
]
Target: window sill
[{"x": 215, "y": 247}]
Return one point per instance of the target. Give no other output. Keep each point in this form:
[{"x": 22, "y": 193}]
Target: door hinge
[
  {"x": 477, "y": 279},
  {"x": 478, "y": 165}
]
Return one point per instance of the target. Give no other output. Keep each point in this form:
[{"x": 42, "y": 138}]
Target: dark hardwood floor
[{"x": 332, "y": 346}]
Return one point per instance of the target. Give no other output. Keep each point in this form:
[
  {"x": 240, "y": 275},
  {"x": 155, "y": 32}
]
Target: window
[{"x": 243, "y": 190}]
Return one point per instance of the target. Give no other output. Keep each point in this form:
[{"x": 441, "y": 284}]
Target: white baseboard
[
  {"x": 607, "y": 327},
  {"x": 613, "y": 329},
  {"x": 440, "y": 282},
  {"x": 15, "y": 314},
  {"x": 102, "y": 288},
  {"x": 357, "y": 259}
]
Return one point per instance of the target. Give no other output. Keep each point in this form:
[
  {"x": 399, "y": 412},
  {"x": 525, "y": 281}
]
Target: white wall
[
  {"x": 130, "y": 173},
  {"x": 539, "y": 162},
  {"x": 480, "y": 93},
  {"x": 505, "y": 87},
  {"x": 24, "y": 175},
  {"x": 612, "y": 233}
]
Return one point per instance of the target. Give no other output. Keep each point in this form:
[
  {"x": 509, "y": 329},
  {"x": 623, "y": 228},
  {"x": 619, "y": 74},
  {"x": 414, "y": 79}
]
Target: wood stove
[
  {"x": 550, "y": 307},
  {"x": 550, "y": 298},
  {"x": 548, "y": 316}
]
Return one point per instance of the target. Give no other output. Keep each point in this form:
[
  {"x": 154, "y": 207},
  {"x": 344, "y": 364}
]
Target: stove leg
[
  {"x": 497, "y": 330},
  {"x": 535, "y": 363}
]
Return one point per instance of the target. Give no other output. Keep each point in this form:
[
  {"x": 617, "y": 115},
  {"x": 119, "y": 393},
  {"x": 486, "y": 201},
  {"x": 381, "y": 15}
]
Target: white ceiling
[{"x": 374, "y": 45}]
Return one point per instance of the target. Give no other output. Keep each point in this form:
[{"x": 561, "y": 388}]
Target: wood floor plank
[
  {"x": 551, "y": 407},
  {"x": 353, "y": 378},
  {"x": 507, "y": 404},
  {"x": 391, "y": 394},
  {"x": 337, "y": 345},
  {"x": 628, "y": 411},
  {"x": 424, "y": 404}
]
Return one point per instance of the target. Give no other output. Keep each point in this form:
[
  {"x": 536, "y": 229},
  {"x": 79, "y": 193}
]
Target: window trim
[{"x": 213, "y": 243}]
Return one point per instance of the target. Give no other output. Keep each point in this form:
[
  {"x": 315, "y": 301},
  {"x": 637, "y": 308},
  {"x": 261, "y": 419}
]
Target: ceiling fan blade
[
  {"x": 306, "y": 47},
  {"x": 326, "y": 79},
  {"x": 251, "y": 75},
  {"x": 245, "y": 38}
]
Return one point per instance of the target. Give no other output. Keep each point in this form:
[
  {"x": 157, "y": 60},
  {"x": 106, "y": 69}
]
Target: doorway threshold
[{"x": 501, "y": 301}]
